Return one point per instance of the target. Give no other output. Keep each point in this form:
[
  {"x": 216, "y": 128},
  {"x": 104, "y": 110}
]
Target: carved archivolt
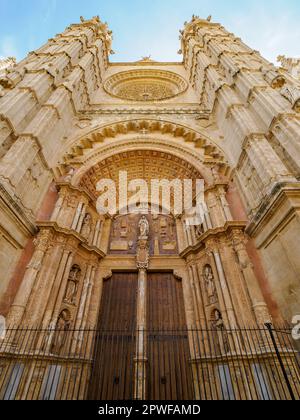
[
  {"x": 145, "y": 85},
  {"x": 204, "y": 148}
]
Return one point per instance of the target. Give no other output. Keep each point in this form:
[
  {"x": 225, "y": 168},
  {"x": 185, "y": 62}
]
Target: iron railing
[{"x": 182, "y": 364}]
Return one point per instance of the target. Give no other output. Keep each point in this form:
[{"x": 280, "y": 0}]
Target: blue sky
[{"x": 144, "y": 27}]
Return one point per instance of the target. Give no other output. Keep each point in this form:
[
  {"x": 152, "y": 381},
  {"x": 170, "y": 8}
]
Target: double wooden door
[{"x": 167, "y": 374}]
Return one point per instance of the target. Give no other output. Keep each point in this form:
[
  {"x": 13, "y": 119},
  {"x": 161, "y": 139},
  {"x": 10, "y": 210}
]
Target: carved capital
[
  {"x": 106, "y": 274},
  {"x": 43, "y": 240}
]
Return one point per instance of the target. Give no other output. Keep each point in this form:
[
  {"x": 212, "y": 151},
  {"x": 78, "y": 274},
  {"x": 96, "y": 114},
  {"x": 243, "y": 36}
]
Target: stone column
[
  {"x": 223, "y": 283},
  {"x": 58, "y": 207},
  {"x": 215, "y": 209},
  {"x": 259, "y": 305},
  {"x": 55, "y": 301},
  {"x": 194, "y": 299},
  {"x": 49, "y": 279},
  {"x": 18, "y": 307},
  {"x": 224, "y": 204},
  {"x": 96, "y": 238},
  {"x": 58, "y": 290},
  {"x": 106, "y": 235},
  {"x": 81, "y": 342},
  {"x": 180, "y": 234},
  {"x": 188, "y": 234},
  {"x": 77, "y": 216},
  {"x": 140, "y": 361},
  {"x": 199, "y": 302},
  {"x": 141, "y": 337},
  {"x": 81, "y": 218}
]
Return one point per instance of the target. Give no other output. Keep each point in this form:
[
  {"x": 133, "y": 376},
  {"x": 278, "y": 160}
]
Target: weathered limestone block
[
  {"x": 73, "y": 50},
  {"x": 33, "y": 186},
  {"x": 77, "y": 86},
  {"x": 51, "y": 124},
  {"x": 217, "y": 48},
  {"x": 267, "y": 104},
  {"x": 215, "y": 79},
  {"x": 19, "y": 106},
  {"x": 286, "y": 131},
  {"x": 230, "y": 66},
  {"x": 53, "y": 65},
  {"x": 23, "y": 151},
  {"x": 226, "y": 99},
  {"x": 236, "y": 128},
  {"x": 90, "y": 73},
  {"x": 61, "y": 101},
  {"x": 6, "y": 137},
  {"x": 39, "y": 83},
  {"x": 266, "y": 162},
  {"x": 246, "y": 81},
  {"x": 249, "y": 184},
  {"x": 100, "y": 62}
]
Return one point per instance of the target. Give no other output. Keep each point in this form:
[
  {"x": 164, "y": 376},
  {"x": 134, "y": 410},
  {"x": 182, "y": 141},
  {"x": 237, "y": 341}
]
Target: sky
[{"x": 151, "y": 27}]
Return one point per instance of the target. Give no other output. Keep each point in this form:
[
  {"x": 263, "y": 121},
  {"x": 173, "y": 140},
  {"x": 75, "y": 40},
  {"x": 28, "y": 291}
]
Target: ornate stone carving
[
  {"x": 144, "y": 227},
  {"x": 145, "y": 85},
  {"x": 274, "y": 78},
  {"x": 292, "y": 94},
  {"x": 72, "y": 285},
  {"x": 62, "y": 327},
  {"x": 86, "y": 226},
  {"x": 210, "y": 284},
  {"x": 221, "y": 340},
  {"x": 143, "y": 255}
]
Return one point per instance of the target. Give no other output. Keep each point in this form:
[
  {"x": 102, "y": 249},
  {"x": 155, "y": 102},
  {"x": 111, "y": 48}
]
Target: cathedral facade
[{"x": 69, "y": 118}]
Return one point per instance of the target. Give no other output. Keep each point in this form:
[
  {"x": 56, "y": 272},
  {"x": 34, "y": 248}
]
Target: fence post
[{"x": 285, "y": 375}]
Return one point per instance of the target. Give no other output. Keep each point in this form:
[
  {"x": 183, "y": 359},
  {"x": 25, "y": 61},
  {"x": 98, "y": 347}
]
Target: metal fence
[{"x": 190, "y": 364}]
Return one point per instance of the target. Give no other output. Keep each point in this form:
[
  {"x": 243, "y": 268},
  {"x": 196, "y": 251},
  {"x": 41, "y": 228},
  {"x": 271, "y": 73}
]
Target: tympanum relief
[{"x": 161, "y": 230}]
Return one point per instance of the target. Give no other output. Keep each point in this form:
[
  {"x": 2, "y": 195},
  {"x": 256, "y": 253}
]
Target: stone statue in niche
[
  {"x": 210, "y": 284},
  {"x": 199, "y": 230},
  {"x": 70, "y": 174},
  {"x": 172, "y": 228},
  {"x": 86, "y": 226},
  {"x": 221, "y": 341},
  {"x": 144, "y": 228},
  {"x": 61, "y": 330},
  {"x": 72, "y": 286}
]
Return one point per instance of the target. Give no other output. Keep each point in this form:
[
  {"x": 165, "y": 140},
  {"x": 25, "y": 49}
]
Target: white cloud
[
  {"x": 8, "y": 47},
  {"x": 271, "y": 33}
]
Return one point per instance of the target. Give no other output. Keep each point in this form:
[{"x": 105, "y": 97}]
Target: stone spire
[
  {"x": 43, "y": 95},
  {"x": 291, "y": 65}
]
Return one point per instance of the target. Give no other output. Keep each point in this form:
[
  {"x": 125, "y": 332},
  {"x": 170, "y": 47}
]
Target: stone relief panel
[{"x": 162, "y": 235}]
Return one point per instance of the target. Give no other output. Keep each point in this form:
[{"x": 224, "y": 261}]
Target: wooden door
[
  {"x": 115, "y": 341},
  {"x": 169, "y": 375}
]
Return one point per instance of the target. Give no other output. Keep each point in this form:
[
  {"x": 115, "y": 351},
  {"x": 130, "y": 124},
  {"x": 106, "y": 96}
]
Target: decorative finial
[{"x": 147, "y": 58}]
